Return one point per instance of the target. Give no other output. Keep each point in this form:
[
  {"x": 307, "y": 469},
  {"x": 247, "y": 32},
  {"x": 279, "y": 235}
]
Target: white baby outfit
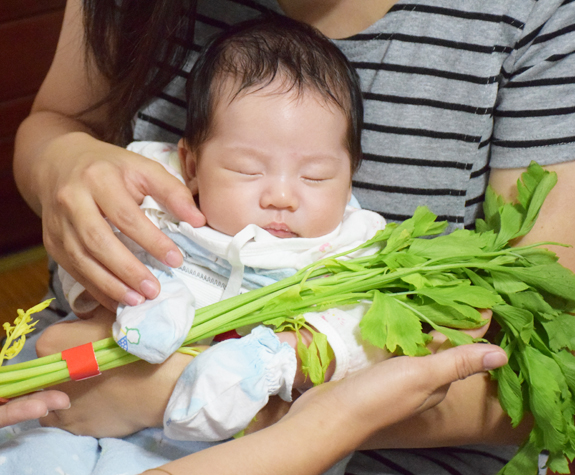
[{"x": 222, "y": 389}]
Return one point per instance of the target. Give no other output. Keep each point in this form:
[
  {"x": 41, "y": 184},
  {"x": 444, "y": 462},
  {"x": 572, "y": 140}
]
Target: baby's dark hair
[{"x": 256, "y": 52}]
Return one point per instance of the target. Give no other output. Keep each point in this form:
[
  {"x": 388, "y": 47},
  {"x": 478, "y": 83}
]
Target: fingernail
[
  {"x": 47, "y": 412},
  {"x": 174, "y": 259},
  {"x": 149, "y": 289},
  {"x": 493, "y": 360},
  {"x": 132, "y": 298}
]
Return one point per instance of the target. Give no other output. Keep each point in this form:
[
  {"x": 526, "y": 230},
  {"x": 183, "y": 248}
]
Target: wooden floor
[{"x": 23, "y": 282}]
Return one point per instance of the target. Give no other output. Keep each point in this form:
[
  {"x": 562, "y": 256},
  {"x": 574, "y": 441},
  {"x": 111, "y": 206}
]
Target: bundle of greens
[{"x": 416, "y": 283}]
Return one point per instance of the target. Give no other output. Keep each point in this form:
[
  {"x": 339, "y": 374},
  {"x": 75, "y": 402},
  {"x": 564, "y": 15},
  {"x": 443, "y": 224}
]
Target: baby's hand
[{"x": 222, "y": 390}]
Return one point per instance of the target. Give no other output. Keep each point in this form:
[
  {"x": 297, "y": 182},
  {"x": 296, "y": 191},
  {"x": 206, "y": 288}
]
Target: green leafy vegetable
[{"x": 414, "y": 284}]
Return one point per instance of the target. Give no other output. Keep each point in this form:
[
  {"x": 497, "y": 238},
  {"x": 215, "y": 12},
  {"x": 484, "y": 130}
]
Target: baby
[{"x": 271, "y": 143}]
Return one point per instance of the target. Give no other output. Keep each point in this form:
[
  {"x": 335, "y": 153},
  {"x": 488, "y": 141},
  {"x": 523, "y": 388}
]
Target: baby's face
[{"x": 274, "y": 160}]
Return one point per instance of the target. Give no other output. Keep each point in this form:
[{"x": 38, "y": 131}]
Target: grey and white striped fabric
[{"x": 451, "y": 89}]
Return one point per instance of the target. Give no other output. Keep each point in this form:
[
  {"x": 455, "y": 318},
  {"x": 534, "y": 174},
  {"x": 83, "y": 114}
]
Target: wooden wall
[{"x": 28, "y": 35}]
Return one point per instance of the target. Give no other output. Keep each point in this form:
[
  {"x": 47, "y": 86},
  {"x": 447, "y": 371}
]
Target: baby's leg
[
  {"x": 118, "y": 402},
  {"x": 64, "y": 335}
]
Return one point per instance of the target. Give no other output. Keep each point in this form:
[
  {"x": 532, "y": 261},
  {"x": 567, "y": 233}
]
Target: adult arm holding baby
[{"x": 68, "y": 175}]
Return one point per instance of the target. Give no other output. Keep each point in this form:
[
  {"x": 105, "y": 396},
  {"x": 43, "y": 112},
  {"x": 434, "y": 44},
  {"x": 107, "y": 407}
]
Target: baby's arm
[
  {"x": 120, "y": 401},
  {"x": 222, "y": 390},
  {"x": 152, "y": 330}
]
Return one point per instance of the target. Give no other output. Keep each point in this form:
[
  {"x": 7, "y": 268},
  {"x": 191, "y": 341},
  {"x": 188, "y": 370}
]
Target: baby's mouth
[{"x": 280, "y": 230}]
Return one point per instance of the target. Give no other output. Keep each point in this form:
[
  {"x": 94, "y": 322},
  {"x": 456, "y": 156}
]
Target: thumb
[
  {"x": 466, "y": 360},
  {"x": 440, "y": 370}
]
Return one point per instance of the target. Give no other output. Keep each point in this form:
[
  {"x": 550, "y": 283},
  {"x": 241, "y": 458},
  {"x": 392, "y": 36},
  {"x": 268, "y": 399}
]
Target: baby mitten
[
  {"x": 156, "y": 328},
  {"x": 223, "y": 388}
]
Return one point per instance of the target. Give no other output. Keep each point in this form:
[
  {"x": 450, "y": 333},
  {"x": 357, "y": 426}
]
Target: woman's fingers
[
  {"x": 440, "y": 370},
  {"x": 105, "y": 185},
  {"x": 398, "y": 388},
  {"x": 440, "y": 341},
  {"x": 86, "y": 259},
  {"x": 32, "y": 406}
]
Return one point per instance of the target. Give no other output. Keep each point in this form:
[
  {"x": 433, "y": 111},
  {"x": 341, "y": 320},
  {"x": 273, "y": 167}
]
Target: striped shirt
[{"x": 451, "y": 89}]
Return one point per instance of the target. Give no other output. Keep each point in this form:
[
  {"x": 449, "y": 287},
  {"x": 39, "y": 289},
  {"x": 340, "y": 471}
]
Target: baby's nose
[{"x": 279, "y": 194}]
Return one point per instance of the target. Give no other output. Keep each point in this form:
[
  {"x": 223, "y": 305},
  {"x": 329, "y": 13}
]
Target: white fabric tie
[{"x": 234, "y": 258}]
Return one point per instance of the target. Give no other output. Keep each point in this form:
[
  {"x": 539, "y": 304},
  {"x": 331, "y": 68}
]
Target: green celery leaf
[
  {"x": 561, "y": 332},
  {"x": 477, "y": 280},
  {"x": 532, "y": 301},
  {"x": 402, "y": 259},
  {"x": 314, "y": 367},
  {"x": 511, "y": 220},
  {"x": 558, "y": 463},
  {"x": 279, "y": 322},
  {"x": 288, "y": 298},
  {"x": 518, "y": 320},
  {"x": 425, "y": 224},
  {"x": 324, "y": 351},
  {"x": 456, "y": 337},
  {"x": 454, "y": 316},
  {"x": 510, "y": 394},
  {"x": 416, "y": 281},
  {"x": 388, "y": 324},
  {"x": 459, "y": 243},
  {"x": 553, "y": 278},
  {"x": 526, "y": 460},
  {"x": 507, "y": 283},
  {"x": 504, "y": 260},
  {"x": 335, "y": 266},
  {"x": 310, "y": 362},
  {"x": 566, "y": 362},
  {"x": 477, "y": 297},
  {"x": 304, "y": 355},
  {"x": 528, "y": 183},
  {"x": 544, "y": 376},
  {"x": 533, "y": 193},
  {"x": 492, "y": 221},
  {"x": 537, "y": 256}
]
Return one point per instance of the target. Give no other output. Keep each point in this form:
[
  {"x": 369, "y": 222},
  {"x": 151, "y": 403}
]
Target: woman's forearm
[{"x": 308, "y": 443}]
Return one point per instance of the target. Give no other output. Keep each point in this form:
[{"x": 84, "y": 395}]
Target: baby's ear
[{"x": 188, "y": 166}]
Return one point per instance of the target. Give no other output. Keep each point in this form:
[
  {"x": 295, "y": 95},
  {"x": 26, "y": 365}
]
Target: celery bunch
[{"x": 416, "y": 284}]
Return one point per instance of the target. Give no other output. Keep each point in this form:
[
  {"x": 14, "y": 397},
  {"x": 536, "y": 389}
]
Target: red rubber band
[
  {"x": 81, "y": 361},
  {"x": 227, "y": 336}
]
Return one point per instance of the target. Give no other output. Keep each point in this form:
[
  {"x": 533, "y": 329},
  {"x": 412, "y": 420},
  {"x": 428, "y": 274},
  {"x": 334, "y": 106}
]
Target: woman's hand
[
  {"x": 86, "y": 182},
  {"x": 32, "y": 406},
  {"x": 331, "y": 420},
  {"x": 409, "y": 385}
]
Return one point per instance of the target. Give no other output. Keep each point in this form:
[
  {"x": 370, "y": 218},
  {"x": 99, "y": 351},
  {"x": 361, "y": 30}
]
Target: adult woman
[{"x": 450, "y": 94}]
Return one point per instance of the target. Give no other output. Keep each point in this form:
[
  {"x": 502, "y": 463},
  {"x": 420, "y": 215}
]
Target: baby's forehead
[{"x": 229, "y": 88}]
